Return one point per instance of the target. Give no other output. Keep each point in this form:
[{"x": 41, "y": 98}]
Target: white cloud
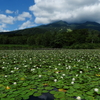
[
  {"x": 9, "y": 11},
  {"x": 23, "y": 16},
  {"x": 26, "y": 25},
  {"x": 67, "y": 10},
  {"x": 2, "y": 26},
  {"x": 17, "y": 11},
  {"x": 6, "y": 19}
]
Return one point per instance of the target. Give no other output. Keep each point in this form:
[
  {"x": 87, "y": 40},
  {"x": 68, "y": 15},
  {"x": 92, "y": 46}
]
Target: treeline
[{"x": 76, "y": 39}]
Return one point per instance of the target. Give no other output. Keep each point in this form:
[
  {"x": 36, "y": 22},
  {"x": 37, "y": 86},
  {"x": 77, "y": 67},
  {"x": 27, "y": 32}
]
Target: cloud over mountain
[
  {"x": 26, "y": 25},
  {"x": 68, "y": 10}
]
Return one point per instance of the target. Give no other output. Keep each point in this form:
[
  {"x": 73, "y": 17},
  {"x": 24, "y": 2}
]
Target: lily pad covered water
[{"x": 65, "y": 74}]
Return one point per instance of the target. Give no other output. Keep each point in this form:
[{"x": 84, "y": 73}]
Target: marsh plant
[{"x": 74, "y": 73}]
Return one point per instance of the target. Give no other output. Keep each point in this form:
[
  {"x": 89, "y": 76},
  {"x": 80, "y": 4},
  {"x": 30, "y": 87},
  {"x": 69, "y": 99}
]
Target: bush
[{"x": 83, "y": 46}]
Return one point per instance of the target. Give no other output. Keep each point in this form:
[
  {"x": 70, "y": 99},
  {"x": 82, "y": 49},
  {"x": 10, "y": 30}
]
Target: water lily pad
[
  {"x": 2, "y": 95},
  {"x": 48, "y": 88},
  {"x": 26, "y": 97},
  {"x": 44, "y": 91},
  {"x": 37, "y": 94},
  {"x": 53, "y": 92},
  {"x": 24, "y": 84},
  {"x": 66, "y": 87},
  {"x": 59, "y": 95}
]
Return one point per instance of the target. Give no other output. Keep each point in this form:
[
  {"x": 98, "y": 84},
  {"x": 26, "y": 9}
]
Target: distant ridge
[{"x": 56, "y": 26}]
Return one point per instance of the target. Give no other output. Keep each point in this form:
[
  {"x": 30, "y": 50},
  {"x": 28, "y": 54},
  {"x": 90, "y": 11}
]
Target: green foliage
[
  {"x": 69, "y": 30},
  {"x": 76, "y": 39},
  {"x": 45, "y": 65}
]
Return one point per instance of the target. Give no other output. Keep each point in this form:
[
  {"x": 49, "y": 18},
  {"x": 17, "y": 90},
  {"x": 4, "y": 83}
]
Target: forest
[{"x": 75, "y": 39}]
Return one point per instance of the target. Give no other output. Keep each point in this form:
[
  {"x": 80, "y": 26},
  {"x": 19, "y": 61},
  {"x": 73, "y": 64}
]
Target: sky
[{"x": 21, "y": 14}]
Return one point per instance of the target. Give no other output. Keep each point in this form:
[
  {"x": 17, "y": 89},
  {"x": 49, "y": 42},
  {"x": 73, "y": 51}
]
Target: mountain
[
  {"x": 56, "y": 26},
  {"x": 63, "y": 26},
  {"x": 88, "y": 25}
]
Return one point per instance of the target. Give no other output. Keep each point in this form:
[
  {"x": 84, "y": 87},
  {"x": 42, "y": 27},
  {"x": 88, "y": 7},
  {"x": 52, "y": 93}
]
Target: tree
[
  {"x": 31, "y": 40},
  {"x": 93, "y": 36}
]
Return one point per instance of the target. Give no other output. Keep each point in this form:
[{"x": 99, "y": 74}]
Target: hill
[
  {"x": 56, "y": 26},
  {"x": 59, "y": 34}
]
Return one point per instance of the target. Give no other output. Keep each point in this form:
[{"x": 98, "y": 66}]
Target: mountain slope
[
  {"x": 56, "y": 26},
  {"x": 64, "y": 25},
  {"x": 88, "y": 25}
]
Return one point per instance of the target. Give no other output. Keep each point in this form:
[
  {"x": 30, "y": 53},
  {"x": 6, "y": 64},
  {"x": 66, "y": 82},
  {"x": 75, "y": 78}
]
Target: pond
[{"x": 44, "y": 96}]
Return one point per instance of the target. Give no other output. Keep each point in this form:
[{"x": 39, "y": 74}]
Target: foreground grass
[{"x": 74, "y": 73}]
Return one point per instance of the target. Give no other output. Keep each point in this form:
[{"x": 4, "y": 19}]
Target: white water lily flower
[
  {"x": 40, "y": 59},
  {"x": 78, "y": 60},
  {"x": 63, "y": 74},
  {"x": 73, "y": 79},
  {"x": 32, "y": 69},
  {"x": 96, "y": 89},
  {"x": 3, "y": 67},
  {"x": 66, "y": 67},
  {"x": 72, "y": 82},
  {"x": 14, "y": 67},
  {"x": 34, "y": 66},
  {"x": 95, "y": 66},
  {"x": 61, "y": 77},
  {"x": 25, "y": 66},
  {"x": 69, "y": 67},
  {"x": 30, "y": 59},
  {"x": 59, "y": 64},
  {"x": 17, "y": 68},
  {"x": 24, "y": 61},
  {"x": 80, "y": 71},
  {"x": 3, "y": 57},
  {"x": 77, "y": 75},
  {"x": 87, "y": 67},
  {"x": 55, "y": 80},
  {"x": 14, "y": 83},
  {"x": 40, "y": 75},
  {"x": 5, "y": 75},
  {"x": 12, "y": 71},
  {"x": 30, "y": 62},
  {"x": 57, "y": 72},
  {"x": 78, "y": 98},
  {"x": 55, "y": 68},
  {"x": 49, "y": 66}
]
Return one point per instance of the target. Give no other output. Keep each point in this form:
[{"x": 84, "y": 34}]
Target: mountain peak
[
  {"x": 58, "y": 24},
  {"x": 61, "y": 22},
  {"x": 90, "y": 22}
]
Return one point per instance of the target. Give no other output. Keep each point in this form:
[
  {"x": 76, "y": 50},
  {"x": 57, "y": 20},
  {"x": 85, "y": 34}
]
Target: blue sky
[
  {"x": 15, "y": 13},
  {"x": 21, "y": 14}
]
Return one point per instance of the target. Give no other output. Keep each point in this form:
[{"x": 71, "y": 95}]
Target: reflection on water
[{"x": 44, "y": 96}]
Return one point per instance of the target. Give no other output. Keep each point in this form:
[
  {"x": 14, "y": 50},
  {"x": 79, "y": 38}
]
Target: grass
[{"x": 74, "y": 73}]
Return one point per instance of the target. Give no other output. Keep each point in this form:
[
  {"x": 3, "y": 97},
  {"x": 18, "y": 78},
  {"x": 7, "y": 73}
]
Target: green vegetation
[
  {"x": 18, "y": 47},
  {"x": 55, "y": 35},
  {"x": 74, "y": 73},
  {"x": 70, "y": 39}
]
